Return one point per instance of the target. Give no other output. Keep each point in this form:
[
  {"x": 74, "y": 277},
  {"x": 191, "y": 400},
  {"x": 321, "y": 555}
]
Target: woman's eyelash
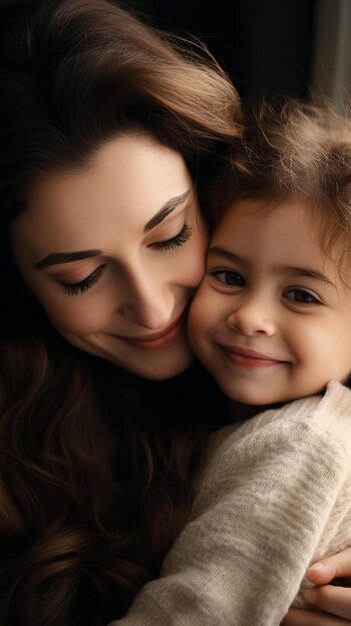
[
  {"x": 175, "y": 242},
  {"x": 83, "y": 286},
  {"x": 75, "y": 288}
]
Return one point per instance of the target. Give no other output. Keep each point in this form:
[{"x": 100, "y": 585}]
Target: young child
[{"x": 272, "y": 323}]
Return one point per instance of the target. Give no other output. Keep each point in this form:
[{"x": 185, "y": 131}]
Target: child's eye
[
  {"x": 72, "y": 289},
  {"x": 300, "y": 296},
  {"x": 229, "y": 278}
]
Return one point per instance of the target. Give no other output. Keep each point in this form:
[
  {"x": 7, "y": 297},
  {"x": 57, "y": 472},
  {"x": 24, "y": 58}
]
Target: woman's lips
[
  {"x": 245, "y": 357},
  {"x": 162, "y": 339}
]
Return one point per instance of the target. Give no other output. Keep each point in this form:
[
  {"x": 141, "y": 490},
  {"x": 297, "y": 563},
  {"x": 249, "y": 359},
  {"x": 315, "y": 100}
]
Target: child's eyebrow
[
  {"x": 226, "y": 254},
  {"x": 279, "y": 269},
  {"x": 304, "y": 271}
]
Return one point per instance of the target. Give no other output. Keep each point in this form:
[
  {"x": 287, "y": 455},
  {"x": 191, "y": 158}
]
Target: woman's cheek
[
  {"x": 194, "y": 261},
  {"x": 76, "y": 316}
]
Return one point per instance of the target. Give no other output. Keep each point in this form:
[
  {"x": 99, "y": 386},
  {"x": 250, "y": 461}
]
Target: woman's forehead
[{"x": 130, "y": 179}]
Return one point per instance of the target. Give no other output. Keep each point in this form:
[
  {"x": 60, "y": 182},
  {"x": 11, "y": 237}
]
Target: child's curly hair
[{"x": 301, "y": 151}]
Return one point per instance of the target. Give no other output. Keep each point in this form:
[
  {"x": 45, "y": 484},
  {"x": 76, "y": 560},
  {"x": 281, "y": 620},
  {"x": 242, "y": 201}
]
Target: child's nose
[{"x": 252, "y": 318}]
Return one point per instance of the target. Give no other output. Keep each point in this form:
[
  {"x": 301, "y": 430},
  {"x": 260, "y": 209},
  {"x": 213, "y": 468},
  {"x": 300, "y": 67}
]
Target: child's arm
[
  {"x": 261, "y": 510},
  {"x": 334, "y": 600},
  {"x": 299, "y": 617}
]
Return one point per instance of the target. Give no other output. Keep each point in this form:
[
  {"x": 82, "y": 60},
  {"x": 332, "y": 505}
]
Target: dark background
[
  {"x": 265, "y": 45},
  {"x": 268, "y": 47}
]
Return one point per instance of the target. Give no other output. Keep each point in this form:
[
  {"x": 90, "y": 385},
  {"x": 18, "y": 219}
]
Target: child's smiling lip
[{"x": 247, "y": 357}]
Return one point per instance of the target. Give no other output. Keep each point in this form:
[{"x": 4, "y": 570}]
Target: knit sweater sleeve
[{"x": 271, "y": 492}]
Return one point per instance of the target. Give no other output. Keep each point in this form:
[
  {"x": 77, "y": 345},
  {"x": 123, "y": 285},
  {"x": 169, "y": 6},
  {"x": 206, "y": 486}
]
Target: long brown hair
[{"x": 92, "y": 493}]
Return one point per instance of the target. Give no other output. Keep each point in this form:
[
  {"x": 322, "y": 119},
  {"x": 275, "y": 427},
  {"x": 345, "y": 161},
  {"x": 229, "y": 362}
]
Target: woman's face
[{"x": 114, "y": 252}]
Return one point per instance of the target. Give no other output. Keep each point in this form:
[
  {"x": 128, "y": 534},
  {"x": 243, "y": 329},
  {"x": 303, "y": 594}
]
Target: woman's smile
[
  {"x": 121, "y": 248},
  {"x": 161, "y": 340}
]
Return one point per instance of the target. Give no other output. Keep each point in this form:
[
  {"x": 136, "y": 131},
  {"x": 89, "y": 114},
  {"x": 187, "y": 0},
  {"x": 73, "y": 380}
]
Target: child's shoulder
[
  {"x": 307, "y": 437},
  {"x": 330, "y": 411},
  {"x": 327, "y": 415}
]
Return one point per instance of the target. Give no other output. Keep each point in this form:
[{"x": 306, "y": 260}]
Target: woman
[{"x": 106, "y": 127}]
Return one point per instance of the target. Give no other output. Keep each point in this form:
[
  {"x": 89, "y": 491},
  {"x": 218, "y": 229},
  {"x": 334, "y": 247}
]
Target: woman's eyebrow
[
  {"x": 167, "y": 208},
  {"x": 57, "y": 258}
]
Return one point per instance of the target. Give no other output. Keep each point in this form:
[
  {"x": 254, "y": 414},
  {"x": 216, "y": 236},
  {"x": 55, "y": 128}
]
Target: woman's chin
[{"x": 164, "y": 366}]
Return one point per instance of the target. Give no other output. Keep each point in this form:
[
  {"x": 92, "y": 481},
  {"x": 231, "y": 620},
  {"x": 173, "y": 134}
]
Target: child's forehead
[
  {"x": 267, "y": 204},
  {"x": 248, "y": 209},
  {"x": 284, "y": 226},
  {"x": 291, "y": 208}
]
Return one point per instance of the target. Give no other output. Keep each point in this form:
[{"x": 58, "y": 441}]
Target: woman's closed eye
[
  {"x": 300, "y": 296},
  {"x": 229, "y": 278},
  {"x": 72, "y": 289},
  {"x": 174, "y": 242}
]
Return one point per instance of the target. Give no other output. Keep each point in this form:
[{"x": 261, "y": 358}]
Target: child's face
[{"x": 272, "y": 318}]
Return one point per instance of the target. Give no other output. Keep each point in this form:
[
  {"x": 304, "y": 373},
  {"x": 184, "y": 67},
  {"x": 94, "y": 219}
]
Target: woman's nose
[
  {"x": 251, "y": 318},
  {"x": 147, "y": 302}
]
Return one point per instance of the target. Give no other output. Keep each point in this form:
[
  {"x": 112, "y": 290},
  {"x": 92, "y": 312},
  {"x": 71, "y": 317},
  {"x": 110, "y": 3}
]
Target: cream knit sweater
[{"x": 274, "y": 495}]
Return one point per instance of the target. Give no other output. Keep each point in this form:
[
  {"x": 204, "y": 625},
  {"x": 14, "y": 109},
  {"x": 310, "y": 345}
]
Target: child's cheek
[{"x": 197, "y": 319}]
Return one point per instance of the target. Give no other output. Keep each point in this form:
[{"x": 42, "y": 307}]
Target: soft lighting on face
[
  {"x": 271, "y": 320},
  {"x": 114, "y": 252}
]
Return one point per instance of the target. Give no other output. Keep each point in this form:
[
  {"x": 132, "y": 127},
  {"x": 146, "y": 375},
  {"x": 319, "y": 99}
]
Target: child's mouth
[{"x": 251, "y": 359}]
